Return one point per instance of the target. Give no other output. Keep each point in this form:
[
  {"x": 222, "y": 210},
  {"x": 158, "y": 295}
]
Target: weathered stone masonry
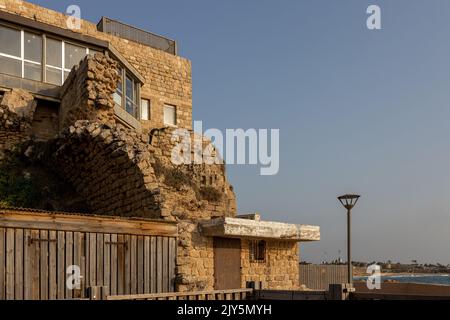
[
  {"x": 124, "y": 172},
  {"x": 168, "y": 78}
]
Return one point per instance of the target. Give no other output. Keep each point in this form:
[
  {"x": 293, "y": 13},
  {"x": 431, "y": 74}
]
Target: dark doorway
[{"x": 227, "y": 263}]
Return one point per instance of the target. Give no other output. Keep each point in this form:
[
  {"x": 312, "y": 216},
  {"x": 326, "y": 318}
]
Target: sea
[{"x": 442, "y": 279}]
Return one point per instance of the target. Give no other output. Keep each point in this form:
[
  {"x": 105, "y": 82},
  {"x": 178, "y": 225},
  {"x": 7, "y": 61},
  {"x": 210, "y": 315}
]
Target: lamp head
[{"x": 349, "y": 200}]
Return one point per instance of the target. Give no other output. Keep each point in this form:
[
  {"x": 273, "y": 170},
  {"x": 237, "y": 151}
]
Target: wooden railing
[{"x": 239, "y": 294}]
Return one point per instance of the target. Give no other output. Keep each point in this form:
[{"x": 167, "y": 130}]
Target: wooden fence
[
  {"x": 319, "y": 277},
  {"x": 125, "y": 255},
  {"x": 238, "y": 294}
]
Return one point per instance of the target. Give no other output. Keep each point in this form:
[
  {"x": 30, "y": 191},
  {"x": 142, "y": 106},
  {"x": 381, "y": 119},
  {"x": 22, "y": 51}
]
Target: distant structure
[{"x": 97, "y": 107}]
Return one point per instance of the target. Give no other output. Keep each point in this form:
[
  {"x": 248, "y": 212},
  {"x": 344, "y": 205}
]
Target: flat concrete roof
[{"x": 253, "y": 229}]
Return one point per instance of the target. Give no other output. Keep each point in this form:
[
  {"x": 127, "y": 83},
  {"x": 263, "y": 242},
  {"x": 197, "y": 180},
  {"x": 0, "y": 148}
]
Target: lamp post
[{"x": 349, "y": 201}]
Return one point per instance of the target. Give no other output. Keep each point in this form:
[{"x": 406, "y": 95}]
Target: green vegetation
[
  {"x": 176, "y": 178},
  {"x": 25, "y": 184}
]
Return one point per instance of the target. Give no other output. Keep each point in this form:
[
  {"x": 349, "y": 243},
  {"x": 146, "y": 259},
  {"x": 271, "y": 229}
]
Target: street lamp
[{"x": 349, "y": 201}]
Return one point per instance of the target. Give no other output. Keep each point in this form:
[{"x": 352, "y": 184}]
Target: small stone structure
[{"x": 122, "y": 171}]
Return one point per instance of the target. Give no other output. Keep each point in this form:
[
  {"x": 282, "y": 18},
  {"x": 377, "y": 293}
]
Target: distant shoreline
[{"x": 409, "y": 274}]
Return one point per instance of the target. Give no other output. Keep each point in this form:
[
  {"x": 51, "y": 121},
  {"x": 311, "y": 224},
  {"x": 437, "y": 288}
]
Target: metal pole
[{"x": 349, "y": 247}]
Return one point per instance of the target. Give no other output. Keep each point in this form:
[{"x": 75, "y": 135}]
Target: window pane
[
  {"x": 33, "y": 47},
  {"x": 145, "y": 109},
  {"x": 129, "y": 88},
  {"x": 10, "y": 66},
  {"x": 33, "y": 71},
  {"x": 170, "y": 117},
  {"x": 73, "y": 55},
  {"x": 54, "y": 53},
  {"x": 131, "y": 108},
  {"x": 10, "y": 41},
  {"x": 53, "y": 76},
  {"x": 117, "y": 98}
]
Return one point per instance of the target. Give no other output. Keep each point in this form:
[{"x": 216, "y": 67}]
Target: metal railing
[{"x": 128, "y": 32}]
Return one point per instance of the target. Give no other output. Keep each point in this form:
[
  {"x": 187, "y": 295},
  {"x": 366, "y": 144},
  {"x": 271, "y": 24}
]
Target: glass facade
[{"x": 21, "y": 55}]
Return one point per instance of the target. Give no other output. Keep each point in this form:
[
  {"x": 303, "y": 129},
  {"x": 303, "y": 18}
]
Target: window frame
[
  {"x": 166, "y": 105},
  {"x": 135, "y": 90},
  {"x": 258, "y": 251},
  {"x": 63, "y": 68},
  {"x": 149, "y": 116},
  {"x": 21, "y": 58},
  {"x": 43, "y": 63}
]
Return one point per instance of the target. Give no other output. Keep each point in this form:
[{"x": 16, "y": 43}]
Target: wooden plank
[
  {"x": 35, "y": 270},
  {"x": 61, "y": 261},
  {"x": 77, "y": 259},
  {"x": 10, "y": 285},
  {"x": 181, "y": 295},
  {"x": 69, "y": 263},
  {"x": 43, "y": 266},
  {"x": 53, "y": 268},
  {"x": 128, "y": 249},
  {"x": 75, "y": 223},
  {"x": 92, "y": 260},
  {"x": 85, "y": 266},
  {"x": 147, "y": 258},
  {"x": 140, "y": 265},
  {"x": 117, "y": 266},
  {"x": 18, "y": 272},
  {"x": 2, "y": 264},
  {"x": 172, "y": 263},
  {"x": 107, "y": 261},
  {"x": 27, "y": 272},
  {"x": 159, "y": 264},
  {"x": 133, "y": 264},
  {"x": 165, "y": 266},
  {"x": 153, "y": 265},
  {"x": 100, "y": 245}
]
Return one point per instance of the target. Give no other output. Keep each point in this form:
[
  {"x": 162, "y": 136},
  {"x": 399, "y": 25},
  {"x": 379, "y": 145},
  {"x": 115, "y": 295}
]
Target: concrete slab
[{"x": 253, "y": 229}]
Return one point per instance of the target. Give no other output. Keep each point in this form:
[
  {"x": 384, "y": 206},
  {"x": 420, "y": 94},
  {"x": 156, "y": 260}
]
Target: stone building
[{"x": 98, "y": 106}]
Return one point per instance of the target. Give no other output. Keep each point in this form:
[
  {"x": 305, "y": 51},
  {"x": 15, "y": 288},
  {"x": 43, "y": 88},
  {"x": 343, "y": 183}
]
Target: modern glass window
[
  {"x": 145, "y": 109},
  {"x": 127, "y": 94},
  {"x": 170, "y": 115},
  {"x": 118, "y": 95},
  {"x": 11, "y": 42},
  {"x": 10, "y": 51},
  {"x": 53, "y": 67},
  {"x": 21, "y": 55},
  {"x": 61, "y": 57},
  {"x": 32, "y": 56},
  {"x": 73, "y": 55}
]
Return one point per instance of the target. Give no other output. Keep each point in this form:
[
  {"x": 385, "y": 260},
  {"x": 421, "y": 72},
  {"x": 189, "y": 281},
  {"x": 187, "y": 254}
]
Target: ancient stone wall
[
  {"x": 280, "y": 271},
  {"x": 121, "y": 172},
  {"x": 87, "y": 92},
  {"x": 17, "y": 109},
  {"x": 168, "y": 78}
]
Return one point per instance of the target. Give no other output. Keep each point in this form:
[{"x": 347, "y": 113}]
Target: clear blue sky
[{"x": 359, "y": 111}]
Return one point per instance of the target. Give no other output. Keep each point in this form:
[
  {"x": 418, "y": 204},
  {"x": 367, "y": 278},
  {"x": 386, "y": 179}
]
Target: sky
[{"x": 361, "y": 111}]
